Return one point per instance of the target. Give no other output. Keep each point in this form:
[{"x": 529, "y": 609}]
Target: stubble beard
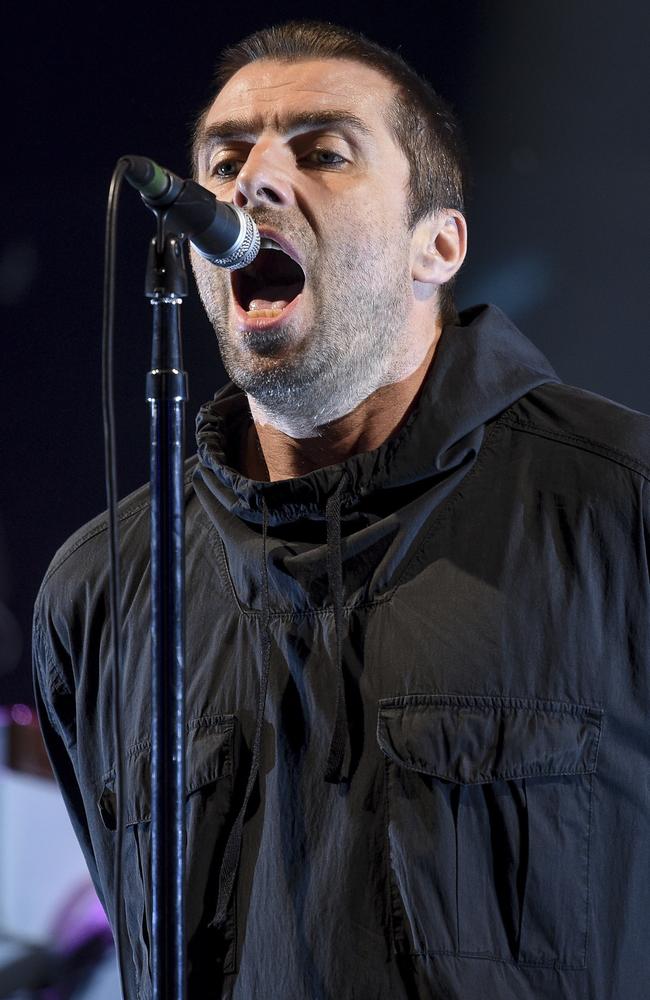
[{"x": 360, "y": 300}]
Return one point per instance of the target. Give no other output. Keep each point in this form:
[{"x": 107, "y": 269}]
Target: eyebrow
[{"x": 292, "y": 124}]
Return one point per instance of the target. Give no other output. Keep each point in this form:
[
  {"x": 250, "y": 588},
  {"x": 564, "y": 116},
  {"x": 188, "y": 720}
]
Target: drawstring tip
[{"x": 219, "y": 917}]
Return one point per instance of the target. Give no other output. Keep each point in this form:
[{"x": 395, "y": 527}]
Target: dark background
[{"x": 553, "y": 96}]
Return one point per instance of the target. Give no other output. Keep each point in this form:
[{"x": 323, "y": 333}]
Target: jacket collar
[{"x": 481, "y": 366}]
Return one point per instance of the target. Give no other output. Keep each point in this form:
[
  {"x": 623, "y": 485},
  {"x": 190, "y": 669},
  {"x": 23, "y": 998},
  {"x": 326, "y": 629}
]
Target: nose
[{"x": 264, "y": 180}]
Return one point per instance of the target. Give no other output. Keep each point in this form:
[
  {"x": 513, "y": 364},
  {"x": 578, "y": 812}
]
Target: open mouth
[{"x": 265, "y": 288}]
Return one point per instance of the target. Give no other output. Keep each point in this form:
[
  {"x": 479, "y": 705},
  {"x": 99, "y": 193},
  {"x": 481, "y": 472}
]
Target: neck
[{"x": 271, "y": 455}]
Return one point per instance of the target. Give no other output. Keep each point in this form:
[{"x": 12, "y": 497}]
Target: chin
[{"x": 264, "y": 342}]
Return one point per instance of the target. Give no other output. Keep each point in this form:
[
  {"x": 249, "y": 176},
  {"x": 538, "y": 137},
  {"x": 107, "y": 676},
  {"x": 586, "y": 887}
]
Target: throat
[{"x": 287, "y": 452}]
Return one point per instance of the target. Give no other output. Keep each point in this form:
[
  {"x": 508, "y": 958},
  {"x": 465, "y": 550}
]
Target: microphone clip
[{"x": 166, "y": 274}]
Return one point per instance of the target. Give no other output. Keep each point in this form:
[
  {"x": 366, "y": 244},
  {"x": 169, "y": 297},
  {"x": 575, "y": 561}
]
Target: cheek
[
  {"x": 371, "y": 217},
  {"x": 212, "y": 282},
  {"x": 347, "y": 233}
]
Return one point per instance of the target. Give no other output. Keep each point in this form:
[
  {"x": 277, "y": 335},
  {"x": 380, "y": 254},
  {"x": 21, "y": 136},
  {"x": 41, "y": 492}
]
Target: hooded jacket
[{"x": 418, "y": 700}]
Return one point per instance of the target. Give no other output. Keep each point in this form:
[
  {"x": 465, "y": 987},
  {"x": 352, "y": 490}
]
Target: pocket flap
[
  {"x": 473, "y": 740},
  {"x": 208, "y": 756}
]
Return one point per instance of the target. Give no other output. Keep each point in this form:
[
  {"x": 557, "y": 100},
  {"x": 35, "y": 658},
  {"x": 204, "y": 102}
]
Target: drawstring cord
[
  {"x": 230, "y": 861},
  {"x": 340, "y": 739}
]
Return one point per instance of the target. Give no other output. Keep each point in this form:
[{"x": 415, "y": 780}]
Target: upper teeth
[{"x": 266, "y": 243}]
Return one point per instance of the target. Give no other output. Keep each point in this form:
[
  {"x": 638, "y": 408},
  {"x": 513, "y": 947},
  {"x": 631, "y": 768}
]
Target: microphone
[{"x": 221, "y": 232}]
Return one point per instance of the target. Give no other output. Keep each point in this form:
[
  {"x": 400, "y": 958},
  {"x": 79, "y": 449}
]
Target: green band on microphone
[{"x": 158, "y": 183}]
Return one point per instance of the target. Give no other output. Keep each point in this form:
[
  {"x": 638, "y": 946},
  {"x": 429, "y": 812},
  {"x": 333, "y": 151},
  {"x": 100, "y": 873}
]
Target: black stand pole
[{"x": 166, "y": 286}]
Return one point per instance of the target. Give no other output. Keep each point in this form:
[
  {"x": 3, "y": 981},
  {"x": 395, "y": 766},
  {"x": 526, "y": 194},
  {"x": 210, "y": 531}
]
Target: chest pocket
[
  {"x": 489, "y": 813},
  {"x": 209, "y": 779}
]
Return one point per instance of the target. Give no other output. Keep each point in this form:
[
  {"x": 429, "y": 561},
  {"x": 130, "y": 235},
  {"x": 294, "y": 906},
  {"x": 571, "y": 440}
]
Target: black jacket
[{"x": 444, "y": 646}]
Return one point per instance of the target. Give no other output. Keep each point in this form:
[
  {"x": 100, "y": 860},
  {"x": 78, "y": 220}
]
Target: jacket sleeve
[{"x": 55, "y": 703}]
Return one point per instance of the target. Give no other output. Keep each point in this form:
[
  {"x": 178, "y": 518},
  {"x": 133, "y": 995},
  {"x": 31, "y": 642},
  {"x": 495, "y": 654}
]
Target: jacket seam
[
  {"x": 506, "y": 703},
  {"x": 254, "y": 613},
  {"x": 462, "y": 955},
  {"x": 580, "y": 441},
  {"x": 326, "y": 612},
  {"x": 97, "y": 530},
  {"x": 486, "y": 777},
  {"x": 220, "y": 551}
]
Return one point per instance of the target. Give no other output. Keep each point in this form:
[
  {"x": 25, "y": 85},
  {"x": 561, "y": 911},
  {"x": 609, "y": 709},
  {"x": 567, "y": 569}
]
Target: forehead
[{"x": 267, "y": 88}]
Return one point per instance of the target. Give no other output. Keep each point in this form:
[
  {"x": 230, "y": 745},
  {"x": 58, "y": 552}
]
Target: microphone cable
[{"x": 110, "y": 473}]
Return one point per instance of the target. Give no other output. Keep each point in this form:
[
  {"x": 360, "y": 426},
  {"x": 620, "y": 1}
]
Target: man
[{"x": 416, "y": 588}]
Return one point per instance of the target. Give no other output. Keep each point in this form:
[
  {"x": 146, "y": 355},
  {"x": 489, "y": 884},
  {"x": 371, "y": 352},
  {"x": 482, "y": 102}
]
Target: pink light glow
[{"x": 22, "y": 715}]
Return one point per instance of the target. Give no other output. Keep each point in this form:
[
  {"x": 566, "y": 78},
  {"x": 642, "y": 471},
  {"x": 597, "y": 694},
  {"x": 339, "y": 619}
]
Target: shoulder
[
  {"x": 86, "y": 551},
  {"x": 77, "y": 577},
  {"x": 596, "y": 431}
]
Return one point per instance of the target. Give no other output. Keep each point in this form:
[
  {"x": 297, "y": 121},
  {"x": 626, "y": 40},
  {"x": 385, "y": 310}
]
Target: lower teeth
[{"x": 265, "y": 313}]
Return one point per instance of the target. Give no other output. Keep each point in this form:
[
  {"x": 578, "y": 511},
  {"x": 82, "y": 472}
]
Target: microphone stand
[{"x": 166, "y": 391}]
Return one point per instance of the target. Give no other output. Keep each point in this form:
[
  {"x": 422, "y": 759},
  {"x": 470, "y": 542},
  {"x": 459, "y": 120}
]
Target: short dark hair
[{"x": 422, "y": 123}]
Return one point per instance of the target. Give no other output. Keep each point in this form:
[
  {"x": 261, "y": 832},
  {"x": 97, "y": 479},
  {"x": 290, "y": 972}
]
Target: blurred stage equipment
[{"x": 55, "y": 939}]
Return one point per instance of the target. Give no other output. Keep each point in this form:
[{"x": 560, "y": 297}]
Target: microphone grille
[{"x": 245, "y": 249}]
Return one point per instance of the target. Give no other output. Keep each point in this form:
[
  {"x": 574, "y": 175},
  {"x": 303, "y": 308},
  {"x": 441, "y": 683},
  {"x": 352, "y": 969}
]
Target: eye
[
  {"x": 325, "y": 158},
  {"x": 225, "y": 169}
]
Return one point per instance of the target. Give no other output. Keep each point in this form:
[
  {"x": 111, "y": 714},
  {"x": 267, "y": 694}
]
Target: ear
[{"x": 439, "y": 247}]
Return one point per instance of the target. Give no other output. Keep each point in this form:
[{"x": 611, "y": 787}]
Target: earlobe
[{"x": 440, "y": 247}]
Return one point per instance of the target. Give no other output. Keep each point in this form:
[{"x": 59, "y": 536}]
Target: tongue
[{"x": 256, "y": 305}]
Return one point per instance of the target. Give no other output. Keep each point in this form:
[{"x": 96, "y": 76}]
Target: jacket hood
[{"x": 480, "y": 367}]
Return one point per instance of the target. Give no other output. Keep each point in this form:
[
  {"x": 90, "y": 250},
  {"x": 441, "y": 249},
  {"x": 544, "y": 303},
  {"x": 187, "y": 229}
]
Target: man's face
[{"x": 305, "y": 149}]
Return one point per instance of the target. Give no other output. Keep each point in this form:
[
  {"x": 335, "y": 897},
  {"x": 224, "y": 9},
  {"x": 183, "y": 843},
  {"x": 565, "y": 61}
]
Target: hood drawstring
[
  {"x": 340, "y": 740},
  {"x": 231, "y": 854}
]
